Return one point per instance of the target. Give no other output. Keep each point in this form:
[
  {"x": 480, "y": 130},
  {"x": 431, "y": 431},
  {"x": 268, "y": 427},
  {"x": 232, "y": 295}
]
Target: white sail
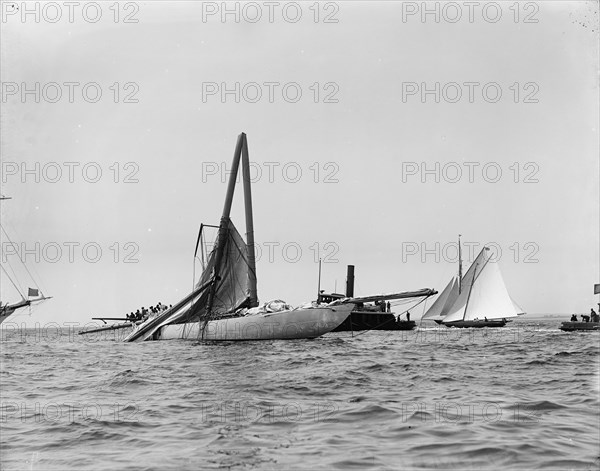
[
  {"x": 456, "y": 312},
  {"x": 518, "y": 308},
  {"x": 444, "y": 301},
  {"x": 489, "y": 297}
]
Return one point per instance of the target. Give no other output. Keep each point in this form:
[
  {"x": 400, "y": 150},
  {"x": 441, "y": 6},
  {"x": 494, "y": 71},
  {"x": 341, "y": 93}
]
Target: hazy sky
[{"x": 364, "y": 165}]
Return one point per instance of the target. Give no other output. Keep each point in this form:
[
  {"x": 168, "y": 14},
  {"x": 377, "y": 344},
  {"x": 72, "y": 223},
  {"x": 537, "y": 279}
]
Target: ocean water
[{"x": 523, "y": 397}]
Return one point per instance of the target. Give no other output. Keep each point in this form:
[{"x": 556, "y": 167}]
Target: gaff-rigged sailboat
[
  {"x": 479, "y": 299},
  {"x": 34, "y": 295},
  {"x": 223, "y": 304}
]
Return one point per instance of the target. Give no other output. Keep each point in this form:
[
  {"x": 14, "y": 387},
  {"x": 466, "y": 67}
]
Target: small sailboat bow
[{"x": 34, "y": 295}]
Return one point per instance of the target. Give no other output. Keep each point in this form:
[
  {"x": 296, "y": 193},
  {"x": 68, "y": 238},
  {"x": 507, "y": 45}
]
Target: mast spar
[
  {"x": 253, "y": 294},
  {"x": 469, "y": 295},
  {"x": 241, "y": 151},
  {"x": 459, "y": 265},
  {"x": 319, "y": 284}
]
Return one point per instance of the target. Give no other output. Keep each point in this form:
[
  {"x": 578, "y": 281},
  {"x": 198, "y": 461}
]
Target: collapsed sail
[
  {"x": 230, "y": 289},
  {"x": 483, "y": 294}
]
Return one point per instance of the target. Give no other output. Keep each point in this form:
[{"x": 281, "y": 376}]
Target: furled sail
[{"x": 425, "y": 292}]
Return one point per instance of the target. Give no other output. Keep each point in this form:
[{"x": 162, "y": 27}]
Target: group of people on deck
[
  {"x": 383, "y": 306},
  {"x": 593, "y": 317},
  {"x": 143, "y": 313}
]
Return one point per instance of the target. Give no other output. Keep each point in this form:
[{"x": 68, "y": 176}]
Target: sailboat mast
[
  {"x": 470, "y": 289},
  {"x": 319, "y": 285},
  {"x": 253, "y": 292},
  {"x": 233, "y": 176},
  {"x": 224, "y": 224},
  {"x": 459, "y": 265}
]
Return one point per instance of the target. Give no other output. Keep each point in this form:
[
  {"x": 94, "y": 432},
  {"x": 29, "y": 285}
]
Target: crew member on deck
[
  {"x": 573, "y": 318},
  {"x": 408, "y": 316},
  {"x": 585, "y": 318},
  {"x": 389, "y": 310},
  {"x": 594, "y": 316}
]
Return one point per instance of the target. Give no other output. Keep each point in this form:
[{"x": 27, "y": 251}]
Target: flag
[
  {"x": 596, "y": 289},
  {"x": 33, "y": 292}
]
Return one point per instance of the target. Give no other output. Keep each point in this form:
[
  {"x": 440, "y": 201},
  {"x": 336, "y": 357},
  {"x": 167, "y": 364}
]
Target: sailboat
[
  {"x": 477, "y": 299},
  {"x": 224, "y": 302},
  {"x": 34, "y": 295}
]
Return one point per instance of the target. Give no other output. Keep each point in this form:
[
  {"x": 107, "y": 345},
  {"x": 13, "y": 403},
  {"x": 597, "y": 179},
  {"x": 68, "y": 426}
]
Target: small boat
[
  {"x": 479, "y": 299},
  {"x": 573, "y": 326},
  {"x": 590, "y": 322},
  {"x": 224, "y": 302},
  {"x": 34, "y": 295}
]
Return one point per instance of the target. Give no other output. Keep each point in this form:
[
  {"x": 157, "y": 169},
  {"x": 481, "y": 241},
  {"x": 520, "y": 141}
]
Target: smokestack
[{"x": 350, "y": 282}]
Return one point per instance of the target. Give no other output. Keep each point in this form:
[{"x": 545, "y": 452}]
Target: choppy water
[{"x": 522, "y": 397}]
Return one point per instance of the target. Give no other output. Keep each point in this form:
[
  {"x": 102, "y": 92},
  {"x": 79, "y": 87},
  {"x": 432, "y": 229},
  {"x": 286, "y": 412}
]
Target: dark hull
[
  {"x": 362, "y": 320},
  {"x": 466, "y": 324},
  {"x": 580, "y": 326}
]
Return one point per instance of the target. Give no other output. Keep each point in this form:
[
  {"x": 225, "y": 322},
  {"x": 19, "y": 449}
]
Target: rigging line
[
  {"x": 16, "y": 278},
  {"x": 24, "y": 265},
  {"x": 4, "y": 270},
  {"x": 421, "y": 301}
]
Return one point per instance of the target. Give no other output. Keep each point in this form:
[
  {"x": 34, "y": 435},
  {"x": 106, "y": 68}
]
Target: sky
[{"x": 377, "y": 132}]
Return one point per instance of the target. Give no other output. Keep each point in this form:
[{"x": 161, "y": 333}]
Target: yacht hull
[
  {"x": 295, "y": 324},
  {"x": 465, "y": 324}
]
